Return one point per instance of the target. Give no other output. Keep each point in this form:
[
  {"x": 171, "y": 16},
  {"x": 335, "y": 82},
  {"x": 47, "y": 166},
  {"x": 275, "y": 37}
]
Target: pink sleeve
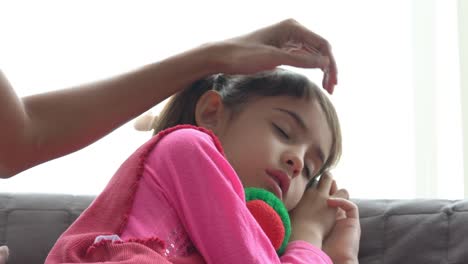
[
  {"x": 303, "y": 252},
  {"x": 209, "y": 199}
]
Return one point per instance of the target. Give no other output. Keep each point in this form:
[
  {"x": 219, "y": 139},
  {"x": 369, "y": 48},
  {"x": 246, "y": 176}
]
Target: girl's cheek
[{"x": 295, "y": 192}]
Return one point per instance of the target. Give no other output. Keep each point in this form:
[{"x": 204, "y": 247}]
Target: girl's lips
[
  {"x": 281, "y": 179},
  {"x": 274, "y": 187}
]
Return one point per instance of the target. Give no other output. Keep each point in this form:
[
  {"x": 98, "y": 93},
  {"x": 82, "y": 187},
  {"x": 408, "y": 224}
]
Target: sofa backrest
[
  {"x": 31, "y": 223},
  {"x": 393, "y": 231},
  {"x": 421, "y": 231}
]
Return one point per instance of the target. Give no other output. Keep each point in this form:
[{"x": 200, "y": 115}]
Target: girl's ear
[{"x": 209, "y": 111}]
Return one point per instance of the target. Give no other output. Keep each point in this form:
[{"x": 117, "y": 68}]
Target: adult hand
[
  {"x": 342, "y": 243},
  {"x": 284, "y": 43}
]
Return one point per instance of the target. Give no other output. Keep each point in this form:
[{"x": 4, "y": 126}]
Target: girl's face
[{"x": 277, "y": 143}]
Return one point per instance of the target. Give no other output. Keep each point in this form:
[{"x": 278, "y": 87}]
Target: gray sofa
[{"x": 393, "y": 231}]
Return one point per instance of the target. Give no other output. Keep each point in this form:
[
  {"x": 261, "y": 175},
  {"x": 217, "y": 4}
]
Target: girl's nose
[{"x": 294, "y": 165}]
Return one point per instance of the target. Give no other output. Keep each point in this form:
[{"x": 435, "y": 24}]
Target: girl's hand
[
  {"x": 313, "y": 218},
  {"x": 284, "y": 43},
  {"x": 3, "y": 254},
  {"x": 342, "y": 243}
]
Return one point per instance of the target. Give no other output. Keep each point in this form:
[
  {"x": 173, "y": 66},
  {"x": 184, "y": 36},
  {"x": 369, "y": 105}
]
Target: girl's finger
[
  {"x": 341, "y": 193},
  {"x": 340, "y": 214},
  {"x": 349, "y": 207},
  {"x": 334, "y": 188},
  {"x": 325, "y": 183}
]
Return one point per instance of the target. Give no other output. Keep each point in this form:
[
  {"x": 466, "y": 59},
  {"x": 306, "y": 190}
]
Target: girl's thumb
[{"x": 341, "y": 193}]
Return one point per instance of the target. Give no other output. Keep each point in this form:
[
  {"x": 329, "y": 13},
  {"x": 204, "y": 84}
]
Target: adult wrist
[{"x": 216, "y": 57}]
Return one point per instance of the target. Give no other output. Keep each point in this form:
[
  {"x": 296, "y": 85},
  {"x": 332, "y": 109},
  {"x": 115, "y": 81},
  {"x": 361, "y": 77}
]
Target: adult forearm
[
  {"x": 13, "y": 120},
  {"x": 61, "y": 122}
]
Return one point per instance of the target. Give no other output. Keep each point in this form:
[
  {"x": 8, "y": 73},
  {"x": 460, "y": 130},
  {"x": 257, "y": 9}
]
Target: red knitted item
[{"x": 269, "y": 220}]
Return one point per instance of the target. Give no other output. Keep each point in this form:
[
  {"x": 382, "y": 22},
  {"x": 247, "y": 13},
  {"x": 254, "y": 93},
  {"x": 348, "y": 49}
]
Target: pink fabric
[
  {"x": 107, "y": 215},
  {"x": 189, "y": 192},
  {"x": 175, "y": 200}
]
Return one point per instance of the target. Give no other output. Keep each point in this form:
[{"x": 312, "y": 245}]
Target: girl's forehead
[
  {"x": 291, "y": 102},
  {"x": 302, "y": 108},
  {"x": 304, "y": 111}
]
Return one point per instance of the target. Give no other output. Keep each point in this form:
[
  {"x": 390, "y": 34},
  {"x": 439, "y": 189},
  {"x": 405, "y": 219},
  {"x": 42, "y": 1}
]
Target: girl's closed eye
[
  {"x": 281, "y": 131},
  {"x": 307, "y": 173}
]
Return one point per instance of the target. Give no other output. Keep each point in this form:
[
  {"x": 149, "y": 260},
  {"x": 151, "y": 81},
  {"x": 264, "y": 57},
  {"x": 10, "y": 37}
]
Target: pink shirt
[{"x": 190, "y": 197}]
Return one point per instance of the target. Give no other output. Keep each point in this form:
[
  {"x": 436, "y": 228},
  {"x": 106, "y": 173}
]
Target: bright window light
[{"x": 49, "y": 45}]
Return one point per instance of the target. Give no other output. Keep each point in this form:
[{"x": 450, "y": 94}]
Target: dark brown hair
[{"x": 237, "y": 90}]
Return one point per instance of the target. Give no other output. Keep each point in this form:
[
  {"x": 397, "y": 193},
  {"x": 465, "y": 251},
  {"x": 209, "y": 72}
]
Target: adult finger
[
  {"x": 321, "y": 45},
  {"x": 290, "y": 30},
  {"x": 302, "y": 59},
  {"x": 330, "y": 76},
  {"x": 315, "y": 42}
]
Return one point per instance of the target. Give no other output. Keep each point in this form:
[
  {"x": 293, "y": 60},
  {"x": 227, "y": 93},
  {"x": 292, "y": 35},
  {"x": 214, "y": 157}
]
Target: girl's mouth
[{"x": 281, "y": 182}]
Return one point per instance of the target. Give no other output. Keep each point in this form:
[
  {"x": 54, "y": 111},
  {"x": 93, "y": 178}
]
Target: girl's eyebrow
[{"x": 295, "y": 116}]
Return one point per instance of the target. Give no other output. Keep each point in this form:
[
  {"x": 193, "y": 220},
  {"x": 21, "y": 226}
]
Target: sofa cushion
[
  {"x": 413, "y": 231},
  {"x": 30, "y": 223},
  {"x": 393, "y": 231}
]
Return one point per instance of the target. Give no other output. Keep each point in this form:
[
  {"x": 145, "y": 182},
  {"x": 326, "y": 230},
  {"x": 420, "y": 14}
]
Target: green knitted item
[{"x": 252, "y": 194}]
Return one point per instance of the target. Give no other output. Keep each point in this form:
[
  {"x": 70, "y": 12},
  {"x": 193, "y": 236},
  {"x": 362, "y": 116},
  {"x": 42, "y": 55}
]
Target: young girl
[{"x": 180, "y": 197}]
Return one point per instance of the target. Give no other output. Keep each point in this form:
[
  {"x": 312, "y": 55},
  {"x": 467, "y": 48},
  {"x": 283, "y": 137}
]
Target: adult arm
[
  {"x": 42, "y": 127},
  {"x": 45, "y": 126}
]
